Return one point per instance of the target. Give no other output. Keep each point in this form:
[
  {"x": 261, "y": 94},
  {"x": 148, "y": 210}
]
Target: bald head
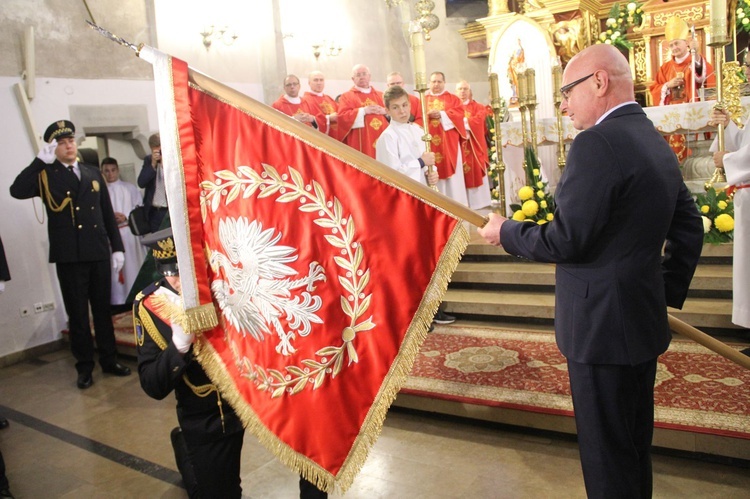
[
  {"x": 361, "y": 76},
  {"x": 463, "y": 90},
  {"x": 317, "y": 81},
  {"x": 605, "y": 82}
]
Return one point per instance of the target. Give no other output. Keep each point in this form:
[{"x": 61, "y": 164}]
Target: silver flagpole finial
[{"x": 115, "y": 38}]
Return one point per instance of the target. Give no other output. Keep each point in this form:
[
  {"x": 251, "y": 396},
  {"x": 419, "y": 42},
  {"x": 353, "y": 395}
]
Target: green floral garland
[
  {"x": 618, "y": 22},
  {"x": 717, "y": 211},
  {"x": 537, "y": 204}
]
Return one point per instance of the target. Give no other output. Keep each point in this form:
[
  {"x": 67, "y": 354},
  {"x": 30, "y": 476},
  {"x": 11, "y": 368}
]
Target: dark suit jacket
[
  {"x": 4, "y": 271},
  {"x": 84, "y": 234},
  {"x": 620, "y": 198},
  {"x": 147, "y": 182}
]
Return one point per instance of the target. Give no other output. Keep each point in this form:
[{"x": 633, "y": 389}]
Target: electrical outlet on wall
[
  {"x": 38, "y": 308},
  {"x": 25, "y": 312},
  {"x": 49, "y": 306}
]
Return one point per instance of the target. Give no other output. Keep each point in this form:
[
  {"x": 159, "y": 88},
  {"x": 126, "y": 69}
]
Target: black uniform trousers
[
  {"x": 82, "y": 283},
  {"x": 216, "y": 466},
  {"x": 614, "y": 409}
]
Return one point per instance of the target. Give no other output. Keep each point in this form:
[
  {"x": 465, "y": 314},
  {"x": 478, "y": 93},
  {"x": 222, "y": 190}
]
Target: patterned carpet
[{"x": 696, "y": 389}]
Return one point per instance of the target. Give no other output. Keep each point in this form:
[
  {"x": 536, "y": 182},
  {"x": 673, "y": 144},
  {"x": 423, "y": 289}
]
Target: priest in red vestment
[
  {"x": 322, "y": 106},
  {"x": 673, "y": 82},
  {"x": 291, "y": 104},
  {"x": 446, "y": 124},
  {"x": 361, "y": 115},
  {"x": 474, "y": 148},
  {"x": 395, "y": 79}
]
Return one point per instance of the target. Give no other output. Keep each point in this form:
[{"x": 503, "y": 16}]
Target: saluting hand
[{"x": 47, "y": 152}]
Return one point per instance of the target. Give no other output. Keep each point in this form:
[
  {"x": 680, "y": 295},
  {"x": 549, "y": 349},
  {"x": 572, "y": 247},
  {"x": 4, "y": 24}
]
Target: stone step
[
  {"x": 707, "y": 276},
  {"x": 502, "y": 304}
]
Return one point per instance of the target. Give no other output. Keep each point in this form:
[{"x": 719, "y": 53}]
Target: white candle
[{"x": 718, "y": 20}]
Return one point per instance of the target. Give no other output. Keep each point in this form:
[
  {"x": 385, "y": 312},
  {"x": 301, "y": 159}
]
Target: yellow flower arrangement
[
  {"x": 718, "y": 216},
  {"x": 529, "y": 209}
]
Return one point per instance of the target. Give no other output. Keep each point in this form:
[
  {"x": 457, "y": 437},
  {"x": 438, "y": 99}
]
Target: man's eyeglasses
[{"x": 565, "y": 90}]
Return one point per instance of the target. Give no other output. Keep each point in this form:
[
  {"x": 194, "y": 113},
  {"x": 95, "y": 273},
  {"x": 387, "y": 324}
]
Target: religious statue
[
  {"x": 566, "y": 36},
  {"x": 516, "y": 64}
]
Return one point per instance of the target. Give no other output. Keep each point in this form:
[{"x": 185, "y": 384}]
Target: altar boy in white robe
[
  {"x": 125, "y": 197},
  {"x": 400, "y": 146},
  {"x": 736, "y": 163}
]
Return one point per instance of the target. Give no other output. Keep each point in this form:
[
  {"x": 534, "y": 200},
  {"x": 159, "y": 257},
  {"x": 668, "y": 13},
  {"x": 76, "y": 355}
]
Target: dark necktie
[{"x": 72, "y": 172}]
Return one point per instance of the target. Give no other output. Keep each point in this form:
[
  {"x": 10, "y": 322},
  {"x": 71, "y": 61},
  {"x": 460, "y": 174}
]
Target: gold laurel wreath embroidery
[{"x": 331, "y": 358}]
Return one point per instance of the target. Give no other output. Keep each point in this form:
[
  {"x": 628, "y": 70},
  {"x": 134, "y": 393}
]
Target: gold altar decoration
[
  {"x": 498, "y": 110},
  {"x": 497, "y": 7},
  {"x": 732, "y": 87},
  {"x": 522, "y": 92}
]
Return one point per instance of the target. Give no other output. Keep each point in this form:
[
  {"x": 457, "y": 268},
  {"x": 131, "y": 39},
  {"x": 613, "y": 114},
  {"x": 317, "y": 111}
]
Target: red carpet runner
[{"x": 696, "y": 389}]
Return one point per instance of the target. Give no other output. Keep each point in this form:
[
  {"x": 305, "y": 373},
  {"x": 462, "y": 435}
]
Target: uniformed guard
[
  {"x": 81, "y": 229},
  {"x": 210, "y": 432}
]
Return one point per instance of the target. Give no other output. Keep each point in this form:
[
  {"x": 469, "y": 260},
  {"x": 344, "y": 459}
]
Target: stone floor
[{"x": 113, "y": 441}]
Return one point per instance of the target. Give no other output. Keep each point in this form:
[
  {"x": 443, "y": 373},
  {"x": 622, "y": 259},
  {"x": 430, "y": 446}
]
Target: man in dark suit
[
  {"x": 151, "y": 180},
  {"x": 620, "y": 199},
  {"x": 82, "y": 229}
]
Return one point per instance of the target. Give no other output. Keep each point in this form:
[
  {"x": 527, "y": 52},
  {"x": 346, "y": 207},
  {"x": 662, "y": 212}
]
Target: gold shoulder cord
[
  {"x": 150, "y": 327},
  {"x": 44, "y": 189},
  {"x": 204, "y": 391}
]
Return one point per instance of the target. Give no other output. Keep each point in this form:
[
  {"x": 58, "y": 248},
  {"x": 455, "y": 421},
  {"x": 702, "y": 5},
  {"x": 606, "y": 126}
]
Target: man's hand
[
  {"x": 304, "y": 117},
  {"x": 428, "y": 158},
  {"x": 435, "y": 115},
  {"x": 47, "y": 152},
  {"x": 120, "y": 218},
  {"x": 155, "y": 159},
  {"x": 2, "y": 286},
  {"x": 719, "y": 158},
  {"x": 118, "y": 260},
  {"x": 374, "y": 109},
  {"x": 432, "y": 178},
  {"x": 181, "y": 339},
  {"x": 333, "y": 118},
  {"x": 491, "y": 231},
  {"x": 677, "y": 81},
  {"x": 719, "y": 117}
]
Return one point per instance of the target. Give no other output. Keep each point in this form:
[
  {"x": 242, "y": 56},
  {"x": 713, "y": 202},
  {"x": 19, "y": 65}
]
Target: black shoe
[
  {"x": 117, "y": 369},
  {"x": 443, "y": 318},
  {"x": 432, "y": 327},
  {"x": 4, "y": 423},
  {"x": 84, "y": 381},
  {"x": 6, "y": 492}
]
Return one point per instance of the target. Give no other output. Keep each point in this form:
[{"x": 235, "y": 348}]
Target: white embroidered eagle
[{"x": 253, "y": 288}]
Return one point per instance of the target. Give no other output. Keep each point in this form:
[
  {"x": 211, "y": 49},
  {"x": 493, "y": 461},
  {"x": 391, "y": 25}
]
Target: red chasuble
[
  {"x": 291, "y": 109},
  {"x": 322, "y": 296},
  {"x": 474, "y": 146},
  {"x": 416, "y": 109},
  {"x": 322, "y": 106},
  {"x": 362, "y": 139},
  {"x": 669, "y": 70},
  {"x": 445, "y": 143}
]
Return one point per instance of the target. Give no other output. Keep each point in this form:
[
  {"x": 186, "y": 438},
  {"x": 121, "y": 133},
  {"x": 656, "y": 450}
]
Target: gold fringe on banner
[
  {"x": 200, "y": 319},
  {"x": 392, "y": 383}
]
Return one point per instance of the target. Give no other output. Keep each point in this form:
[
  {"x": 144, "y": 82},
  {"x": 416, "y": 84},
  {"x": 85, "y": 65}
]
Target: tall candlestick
[
  {"x": 521, "y": 90},
  {"x": 531, "y": 85},
  {"x": 494, "y": 89},
  {"x": 718, "y": 20},
  {"x": 557, "y": 82}
]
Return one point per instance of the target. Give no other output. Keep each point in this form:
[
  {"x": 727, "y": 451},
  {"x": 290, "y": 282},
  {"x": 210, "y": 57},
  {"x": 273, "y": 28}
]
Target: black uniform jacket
[
  {"x": 162, "y": 369},
  {"x": 84, "y": 229}
]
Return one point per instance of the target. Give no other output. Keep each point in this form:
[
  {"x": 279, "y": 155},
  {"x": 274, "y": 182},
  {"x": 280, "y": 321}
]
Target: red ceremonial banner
[{"x": 323, "y": 274}]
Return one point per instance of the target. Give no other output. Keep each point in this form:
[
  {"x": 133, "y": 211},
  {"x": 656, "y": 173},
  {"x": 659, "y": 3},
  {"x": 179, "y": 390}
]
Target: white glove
[
  {"x": 118, "y": 260},
  {"x": 2, "y": 286},
  {"x": 181, "y": 339},
  {"x": 47, "y": 152}
]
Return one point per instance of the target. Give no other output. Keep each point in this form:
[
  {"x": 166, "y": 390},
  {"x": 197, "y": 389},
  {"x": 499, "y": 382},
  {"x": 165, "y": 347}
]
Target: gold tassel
[{"x": 201, "y": 318}]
